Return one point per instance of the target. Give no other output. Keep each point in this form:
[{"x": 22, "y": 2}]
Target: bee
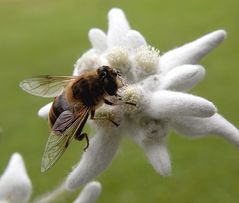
[{"x": 75, "y": 99}]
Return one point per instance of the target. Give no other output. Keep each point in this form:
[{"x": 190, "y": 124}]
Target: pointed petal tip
[
  {"x": 159, "y": 157},
  {"x": 15, "y": 185},
  {"x": 135, "y": 40},
  {"x": 90, "y": 193},
  {"x": 17, "y": 156},
  {"x": 192, "y": 52},
  {"x": 95, "y": 184},
  {"x": 43, "y": 112},
  {"x": 208, "y": 109},
  {"x": 218, "y": 35},
  {"x": 94, "y": 31},
  {"x": 98, "y": 39},
  {"x": 222, "y": 33},
  {"x": 216, "y": 125},
  {"x": 118, "y": 26},
  {"x": 16, "y": 160},
  {"x": 115, "y": 11}
]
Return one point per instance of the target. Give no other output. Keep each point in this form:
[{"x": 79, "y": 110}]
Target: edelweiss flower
[{"x": 157, "y": 85}]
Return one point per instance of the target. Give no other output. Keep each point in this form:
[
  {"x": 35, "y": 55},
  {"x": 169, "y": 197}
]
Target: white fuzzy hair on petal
[
  {"x": 102, "y": 148},
  {"x": 98, "y": 39},
  {"x": 90, "y": 193},
  {"x": 166, "y": 104},
  {"x": 192, "y": 52},
  {"x": 135, "y": 40},
  {"x": 183, "y": 77},
  {"x": 118, "y": 28},
  {"x": 216, "y": 125},
  {"x": 15, "y": 185},
  {"x": 44, "y": 111},
  {"x": 151, "y": 136}
]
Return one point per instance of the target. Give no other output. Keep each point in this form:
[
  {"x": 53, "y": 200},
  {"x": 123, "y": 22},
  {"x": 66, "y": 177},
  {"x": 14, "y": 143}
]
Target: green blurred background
[{"x": 47, "y": 37}]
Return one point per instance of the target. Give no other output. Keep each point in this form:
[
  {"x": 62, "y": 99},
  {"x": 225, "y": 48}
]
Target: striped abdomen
[{"x": 59, "y": 105}]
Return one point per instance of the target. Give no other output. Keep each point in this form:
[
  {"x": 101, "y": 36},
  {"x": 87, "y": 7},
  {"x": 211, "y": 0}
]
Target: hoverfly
[{"x": 75, "y": 98}]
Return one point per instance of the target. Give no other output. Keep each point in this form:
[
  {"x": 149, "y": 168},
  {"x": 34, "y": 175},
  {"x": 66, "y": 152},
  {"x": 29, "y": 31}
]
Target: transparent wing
[
  {"x": 46, "y": 86},
  {"x": 58, "y": 143}
]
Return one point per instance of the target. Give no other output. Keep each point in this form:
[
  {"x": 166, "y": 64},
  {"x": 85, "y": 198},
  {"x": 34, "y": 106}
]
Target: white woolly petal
[
  {"x": 118, "y": 28},
  {"x": 166, "y": 104},
  {"x": 183, "y": 77},
  {"x": 90, "y": 193},
  {"x": 151, "y": 83},
  {"x": 98, "y": 39},
  {"x": 98, "y": 156},
  {"x": 150, "y": 135},
  {"x": 192, "y": 52},
  {"x": 157, "y": 152},
  {"x": 44, "y": 111},
  {"x": 75, "y": 71},
  {"x": 135, "y": 40},
  {"x": 15, "y": 185},
  {"x": 57, "y": 194},
  {"x": 90, "y": 60},
  {"x": 202, "y": 126}
]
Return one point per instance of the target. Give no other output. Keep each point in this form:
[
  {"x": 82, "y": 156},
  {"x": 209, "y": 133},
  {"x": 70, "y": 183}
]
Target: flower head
[{"x": 157, "y": 84}]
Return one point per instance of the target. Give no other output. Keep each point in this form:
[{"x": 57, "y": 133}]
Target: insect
[{"x": 75, "y": 99}]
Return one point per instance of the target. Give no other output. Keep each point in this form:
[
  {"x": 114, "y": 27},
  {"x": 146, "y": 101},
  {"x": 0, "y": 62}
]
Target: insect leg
[
  {"x": 81, "y": 137},
  {"x": 108, "y": 102},
  {"x": 130, "y": 103},
  {"x": 92, "y": 116},
  {"x": 111, "y": 103},
  {"x": 87, "y": 142},
  {"x": 118, "y": 96}
]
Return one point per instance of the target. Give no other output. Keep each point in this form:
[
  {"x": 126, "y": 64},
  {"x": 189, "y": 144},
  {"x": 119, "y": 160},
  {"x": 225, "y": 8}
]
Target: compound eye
[
  {"x": 103, "y": 74},
  {"x": 102, "y": 71}
]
